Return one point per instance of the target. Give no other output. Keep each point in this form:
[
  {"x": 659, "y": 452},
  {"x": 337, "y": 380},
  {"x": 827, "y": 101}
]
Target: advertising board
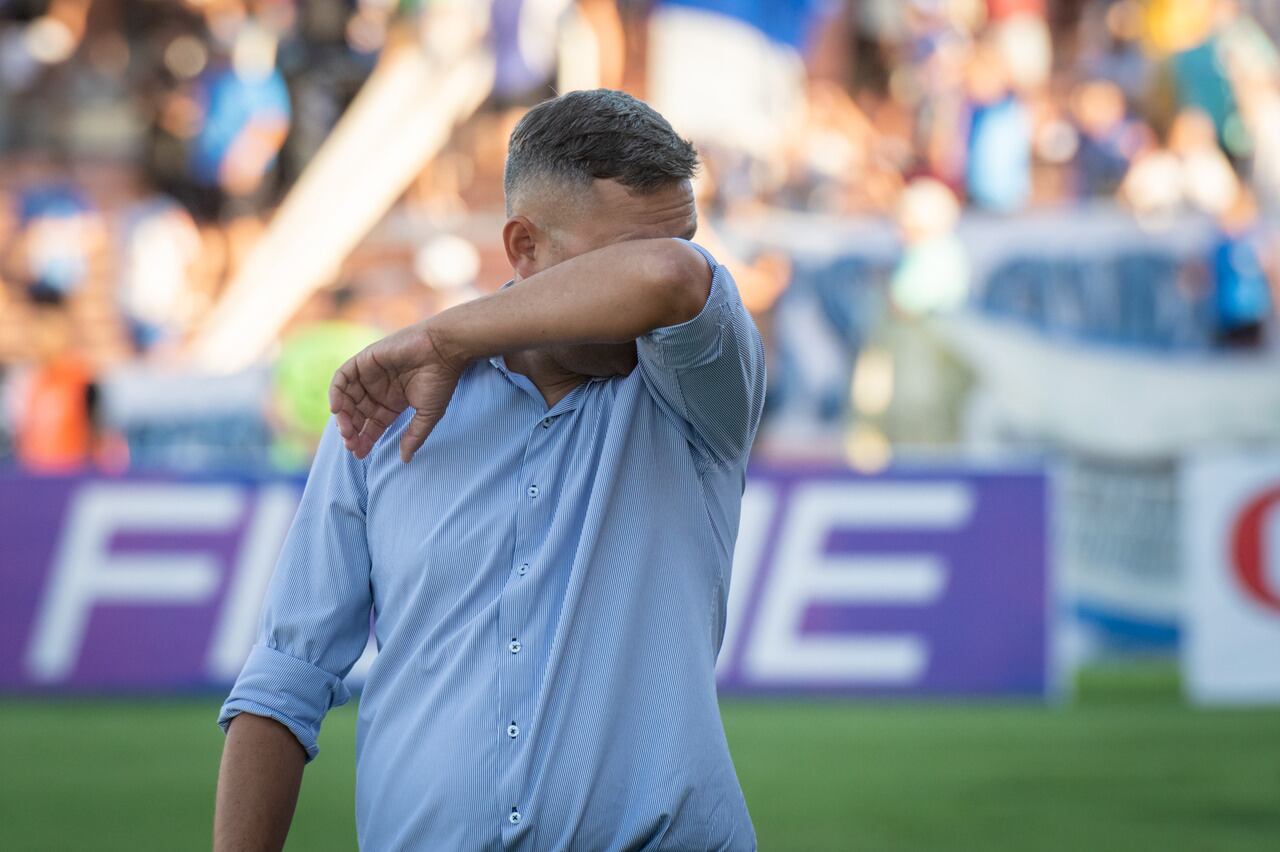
[
  {"x": 1231, "y": 523},
  {"x": 913, "y": 583}
]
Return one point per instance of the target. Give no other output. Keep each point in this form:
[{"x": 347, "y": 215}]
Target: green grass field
[{"x": 1127, "y": 767}]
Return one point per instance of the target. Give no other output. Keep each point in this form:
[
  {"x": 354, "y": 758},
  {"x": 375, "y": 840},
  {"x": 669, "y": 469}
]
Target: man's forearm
[
  {"x": 611, "y": 295},
  {"x": 258, "y": 785}
]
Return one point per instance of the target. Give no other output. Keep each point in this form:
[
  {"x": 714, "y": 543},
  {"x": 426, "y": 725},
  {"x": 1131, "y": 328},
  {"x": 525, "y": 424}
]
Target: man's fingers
[
  {"x": 362, "y": 418},
  {"x": 415, "y": 435},
  {"x": 346, "y": 427},
  {"x": 357, "y": 429},
  {"x": 377, "y": 412},
  {"x": 343, "y": 379},
  {"x": 344, "y": 406},
  {"x": 371, "y": 431},
  {"x": 367, "y": 396},
  {"x": 335, "y": 389},
  {"x": 361, "y": 445},
  {"x": 346, "y": 390}
]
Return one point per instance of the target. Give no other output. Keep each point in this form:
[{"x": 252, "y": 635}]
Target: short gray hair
[{"x": 598, "y": 134}]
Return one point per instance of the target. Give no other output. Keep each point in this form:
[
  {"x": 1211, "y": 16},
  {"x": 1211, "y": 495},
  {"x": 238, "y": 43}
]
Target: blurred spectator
[
  {"x": 219, "y": 129},
  {"x": 1241, "y": 267},
  {"x": 1110, "y": 46},
  {"x": 58, "y": 230},
  {"x": 1209, "y": 182},
  {"x": 1191, "y": 171},
  {"x": 998, "y": 169},
  {"x": 908, "y": 387},
  {"x": 54, "y": 428},
  {"x": 1020, "y": 35},
  {"x": 1108, "y": 138},
  {"x": 933, "y": 275},
  {"x": 159, "y": 245},
  {"x": 244, "y": 115},
  {"x": 1190, "y": 32},
  {"x": 1153, "y": 186},
  {"x": 1254, "y": 67}
]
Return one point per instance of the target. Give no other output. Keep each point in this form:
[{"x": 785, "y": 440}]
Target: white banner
[
  {"x": 1111, "y": 401},
  {"x": 1231, "y": 520}
]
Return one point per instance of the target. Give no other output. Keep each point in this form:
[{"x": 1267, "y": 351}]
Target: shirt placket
[{"x": 520, "y": 661}]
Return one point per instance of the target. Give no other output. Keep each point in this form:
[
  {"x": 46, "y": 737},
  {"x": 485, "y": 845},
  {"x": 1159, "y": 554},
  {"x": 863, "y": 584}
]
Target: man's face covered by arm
[{"x": 553, "y": 224}]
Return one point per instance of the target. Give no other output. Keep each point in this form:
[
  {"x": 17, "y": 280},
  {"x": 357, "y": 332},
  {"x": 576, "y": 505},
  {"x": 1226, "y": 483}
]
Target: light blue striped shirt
[{"x": 548, "y": 589}]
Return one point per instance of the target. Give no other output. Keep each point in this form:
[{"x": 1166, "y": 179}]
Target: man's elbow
[{"x": 684, "y": 279}]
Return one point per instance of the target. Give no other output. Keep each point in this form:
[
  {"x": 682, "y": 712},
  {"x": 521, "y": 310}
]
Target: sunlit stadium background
[{"x": 1009, "y": 569}]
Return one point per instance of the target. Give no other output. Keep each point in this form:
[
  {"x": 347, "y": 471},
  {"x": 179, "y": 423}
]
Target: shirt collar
[
  {"x": 522, "y": 382},
  {"x": 567, "y": 403}
]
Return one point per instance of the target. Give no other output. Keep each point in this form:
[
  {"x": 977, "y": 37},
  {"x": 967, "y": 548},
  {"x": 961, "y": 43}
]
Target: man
[{"x": 539, "y": 507}]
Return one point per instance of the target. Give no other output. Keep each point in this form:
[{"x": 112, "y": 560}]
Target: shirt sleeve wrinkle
[
  {"x": 708, "y": 372},
  {"x": 315, "y": 620}
]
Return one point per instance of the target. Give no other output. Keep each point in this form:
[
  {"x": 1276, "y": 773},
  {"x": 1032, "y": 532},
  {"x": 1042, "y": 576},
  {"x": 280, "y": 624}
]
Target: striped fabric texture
[{"x": 548, "y": 589}]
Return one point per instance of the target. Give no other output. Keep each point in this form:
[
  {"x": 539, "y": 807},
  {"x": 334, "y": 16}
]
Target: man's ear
[{"x": 523, "y": 241}]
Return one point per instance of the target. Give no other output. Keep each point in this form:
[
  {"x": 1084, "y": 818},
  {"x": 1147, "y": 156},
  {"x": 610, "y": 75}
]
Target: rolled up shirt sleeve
[
  {"x": 315, "y": 619},
  {"x": 708, "y": 373}
]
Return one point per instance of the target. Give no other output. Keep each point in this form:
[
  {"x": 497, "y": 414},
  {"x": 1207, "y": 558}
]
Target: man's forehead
[
  {"x": 669, "y": 210},
  {"x": 605, "y": 211}
]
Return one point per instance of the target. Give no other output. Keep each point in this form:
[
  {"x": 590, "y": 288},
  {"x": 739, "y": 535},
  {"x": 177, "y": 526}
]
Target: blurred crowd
[{"x": 144, "y": 145}]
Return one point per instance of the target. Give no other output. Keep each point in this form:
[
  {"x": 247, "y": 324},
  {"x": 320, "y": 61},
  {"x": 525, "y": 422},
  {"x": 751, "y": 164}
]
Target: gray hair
[{"x": 599, "y": 134}]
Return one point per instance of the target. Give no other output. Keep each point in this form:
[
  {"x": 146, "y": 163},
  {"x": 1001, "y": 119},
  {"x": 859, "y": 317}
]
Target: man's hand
[{"x": 371, "y": 390}]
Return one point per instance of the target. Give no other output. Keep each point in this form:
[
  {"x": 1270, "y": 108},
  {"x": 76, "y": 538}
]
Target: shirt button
[
  {"x": 513, "y": 730},
  {"x": 533, "y": 491},
  {"x": 514, "y": 819},
  {"x": 514, "y": 646},
  {"x": 523, "y": 569},
  {"x": 546, "y": 423}
]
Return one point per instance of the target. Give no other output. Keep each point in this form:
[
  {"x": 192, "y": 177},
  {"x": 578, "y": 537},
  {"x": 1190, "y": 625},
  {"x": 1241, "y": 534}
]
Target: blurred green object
[
  {"x": 308, "y": 359},
  {"x": 1127, "y": 768}
]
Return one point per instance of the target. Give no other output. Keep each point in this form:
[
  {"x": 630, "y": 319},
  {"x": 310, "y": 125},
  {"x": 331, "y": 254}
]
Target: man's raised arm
[{"x": 614, "y": 294}]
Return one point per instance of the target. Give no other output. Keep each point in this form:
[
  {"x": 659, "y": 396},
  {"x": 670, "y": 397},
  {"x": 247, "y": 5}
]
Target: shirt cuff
[
  {"x": 294, "y": 693},
  {"x": 695, "y": 341}
]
